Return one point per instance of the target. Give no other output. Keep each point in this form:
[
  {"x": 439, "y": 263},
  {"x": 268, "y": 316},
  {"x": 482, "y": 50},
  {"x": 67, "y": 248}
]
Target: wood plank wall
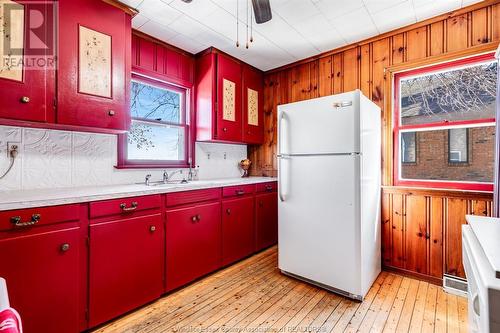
[{"x": 367, "y": 65}]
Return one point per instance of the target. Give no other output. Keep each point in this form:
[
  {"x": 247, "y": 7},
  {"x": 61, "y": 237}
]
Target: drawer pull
[
  {"x": 194, "y": 219},
  {"x": 25, "y": 100},
  {"x": 228, "y": 211},
  {"x": 65, "y": 247},
  {"x": 111, "y": 113},
  {"x": 132, "y": 207},
  {"x": 152, "y": 228},
  {"x": 240, "y": 192},
  {"x": 16, "y": 220},
  {"x": 269, "y": 188}
]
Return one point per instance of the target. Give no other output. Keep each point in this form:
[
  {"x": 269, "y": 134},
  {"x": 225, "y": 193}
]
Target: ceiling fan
[{"x": 261, "y": 9}]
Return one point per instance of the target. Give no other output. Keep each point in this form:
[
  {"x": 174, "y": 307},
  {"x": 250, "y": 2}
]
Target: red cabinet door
[
  {"x": 28, "y": 93},
  {"x": 43, "y": 274},
  {"x": 229, "y": 114},
  {"x": 266, "y": 220},
  {"x": 193, "y": 243},
  {"x": 94, "y": 65},
  {"x": 253, "y": 100},
  {"x": 237, "y": 229},
  {"x": 126, "y": 266}
]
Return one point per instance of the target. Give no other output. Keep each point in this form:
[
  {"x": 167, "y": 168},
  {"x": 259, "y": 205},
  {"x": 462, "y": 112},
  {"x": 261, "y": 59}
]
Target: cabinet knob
[
  {"x": 194, "y": 219},
  {"x": 225, "y": 129},
  {"x": 228, "y": 211},
  {"x": 152, "y": 228},
  {"x": 111, "y": 113},
  {"x": 25, "y": 99},
  {"x": 65, "y": 247}
]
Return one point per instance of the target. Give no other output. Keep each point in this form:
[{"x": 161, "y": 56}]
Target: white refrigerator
[{"x": 329, "y": 173}]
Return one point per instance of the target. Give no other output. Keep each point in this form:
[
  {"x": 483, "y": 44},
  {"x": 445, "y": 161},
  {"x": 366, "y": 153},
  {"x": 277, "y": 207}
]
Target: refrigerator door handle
[{"x": 280, "y": 156}]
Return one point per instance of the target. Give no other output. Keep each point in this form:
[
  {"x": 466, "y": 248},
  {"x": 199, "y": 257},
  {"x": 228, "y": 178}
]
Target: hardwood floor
[{"x": 252, "y": 296}]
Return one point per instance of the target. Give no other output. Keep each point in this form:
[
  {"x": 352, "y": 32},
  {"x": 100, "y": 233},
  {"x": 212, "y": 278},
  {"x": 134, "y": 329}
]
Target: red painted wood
[
  {"x": 80, "y": 109},
  {"x": 189, "y": 197},
  {"x": 147, "y": 55},
  {"x": 43, "y": 279},
  {"x": 112, "y": 207},
  {"x": 238, "y": 190},
  {"x": 126, "y": 266},
  {"x": 37, "y": 84},
  {"x": 237, "y": 229},
  {"x": 48, "y": 216},
  {"x": 193, "y": 243},
  {"x": 206, "y": 82},
  {"x": 228, "y": 69},
  {"x": 266, "y": 187},
  {"x": 266, "y": 220},
  {"x": 472, "y": 186},
  {"x": 253, "y": 79}
]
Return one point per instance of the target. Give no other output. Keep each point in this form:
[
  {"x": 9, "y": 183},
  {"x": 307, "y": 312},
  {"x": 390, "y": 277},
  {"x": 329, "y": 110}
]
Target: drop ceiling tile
[
  {"x": 187, "y": 26},
  {"x": 375, "y": 6},
  {"x": 187, "y": 43},
  {"x": 138, "y": 21},
  {"x": 159, "y": 11},
  {"x": 336, "y": 8},
  {"x": 394, "y": 17},
  {"x": 195, "y": 9},
  {"x": 326, "y": 40},
  {"x": 158, "y": 31},
  {"x": 222, "y": 22},
  {"x": 425, "y": 9},
  {"x": 132, "y": 3},
  {"x": 355, "y": 26},
  {"x": 294, "y": 11}
]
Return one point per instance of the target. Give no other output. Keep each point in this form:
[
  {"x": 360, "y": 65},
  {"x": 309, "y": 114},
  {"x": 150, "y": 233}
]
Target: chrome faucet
[
  {"x": 167, "y": 177},
  {"x": 146, "y": 180}
]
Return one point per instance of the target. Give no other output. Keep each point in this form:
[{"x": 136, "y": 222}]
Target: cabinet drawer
[
  {"x": 22, "y": 218},
  {"x": 124, "y": 206},
  {"x": 238, "y": 190},
  {"x": 183, "y": 198},
  {"x": 267, "y": 187}
]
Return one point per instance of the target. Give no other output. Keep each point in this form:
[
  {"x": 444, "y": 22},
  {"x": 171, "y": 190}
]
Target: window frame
[
  {"x": 398, "y": 128},
  {"x": 187, "y": 115},
  {"x": 416, "y": 150},
  {"x": 467, "y": 135}
]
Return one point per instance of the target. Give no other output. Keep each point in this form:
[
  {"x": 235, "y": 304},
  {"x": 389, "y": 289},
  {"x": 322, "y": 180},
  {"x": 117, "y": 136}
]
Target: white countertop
[
  {"x": 59, "y": 196},
  {"x": 487, "y": 232}
]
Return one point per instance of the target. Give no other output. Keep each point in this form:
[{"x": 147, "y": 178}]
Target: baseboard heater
[{"x": 455, "y": 285}]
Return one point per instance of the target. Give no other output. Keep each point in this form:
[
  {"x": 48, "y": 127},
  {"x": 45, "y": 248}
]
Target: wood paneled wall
[
  {"x": 365, "y": 66},
  {"x": 425, "y": 236}
]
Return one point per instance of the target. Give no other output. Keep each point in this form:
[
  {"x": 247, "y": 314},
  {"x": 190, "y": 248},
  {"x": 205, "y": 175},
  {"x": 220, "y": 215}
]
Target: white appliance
[
  {"x": 329, "y": 171},
  {"x": 481, "y": 259}
]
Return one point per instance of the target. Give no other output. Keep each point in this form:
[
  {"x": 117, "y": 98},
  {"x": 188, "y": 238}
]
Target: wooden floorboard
[{"x": 253, "y": 296}]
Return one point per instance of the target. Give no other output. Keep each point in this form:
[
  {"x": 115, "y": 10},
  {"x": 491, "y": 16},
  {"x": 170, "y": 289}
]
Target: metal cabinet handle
[
  {"x": 152, "y": 228},
  {"x": 269, "y": 188},
  {"x": 240, "y": 192},
  {"x": 25, "y": 100},
  {"x": 111, "y": 113},
  {"x": 132, "y": 207},
  {"x": 65, "y": 247},
  {"x": 16, "y": 220},
  {"x": 225, "y": 129},
  {"x": 194, "y": 219},
  {"x": 228, "y": 211}
]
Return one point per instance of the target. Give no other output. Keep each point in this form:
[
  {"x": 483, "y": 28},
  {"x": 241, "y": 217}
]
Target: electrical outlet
[{"x": 13, "y": 146}]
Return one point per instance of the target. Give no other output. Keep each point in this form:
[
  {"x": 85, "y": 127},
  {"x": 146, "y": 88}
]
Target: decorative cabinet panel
[
  {"x": 237, "y": 229},
  {"x": 229, "y": 99},
  {"x": 94, "y": 65},
  {"x": 253, "y": 113},
  {"x": 126, "y": 266},
  {"x": 193, "y": 243},
  {"x": 27, "y": 90},
  {"x": 421, "y": 229},
  {"x": 266, "y": 220},
  {"x": 43, "y": 261}
]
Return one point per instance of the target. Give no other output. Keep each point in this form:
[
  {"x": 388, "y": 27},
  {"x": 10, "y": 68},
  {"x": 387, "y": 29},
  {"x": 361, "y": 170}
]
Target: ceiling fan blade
[{"x": 262, "y": 10}]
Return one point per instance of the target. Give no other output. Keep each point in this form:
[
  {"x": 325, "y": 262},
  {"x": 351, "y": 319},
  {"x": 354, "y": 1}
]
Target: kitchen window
[
  {"x": 159, "y": 134},
  {"x": 444, "y": 124}
]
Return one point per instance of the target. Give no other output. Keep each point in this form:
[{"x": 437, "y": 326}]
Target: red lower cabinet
[
  {"x": 237, "y": 229},
  {"x": 193, "y": 243},
  {"x": 126, "y": 265},
  {"x": 266, "y": 220},
  {"x": 42, "y": 271}
]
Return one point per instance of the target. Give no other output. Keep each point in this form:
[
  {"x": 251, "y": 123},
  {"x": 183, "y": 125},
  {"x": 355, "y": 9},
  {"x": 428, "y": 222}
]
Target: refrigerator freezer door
[
  {"x": 322, "y": 125},
  {"x": 319, "y": 229}
]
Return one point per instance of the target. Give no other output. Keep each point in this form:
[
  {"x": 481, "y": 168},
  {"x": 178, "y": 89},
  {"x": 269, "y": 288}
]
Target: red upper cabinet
[
  {"x": 27, "y": 92},
  {"x": 219, "y": 98},
  {"x": 253, "y": 100},
  {"x": 155, "y": 59},
  {"x": 94, "y": 65}
]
